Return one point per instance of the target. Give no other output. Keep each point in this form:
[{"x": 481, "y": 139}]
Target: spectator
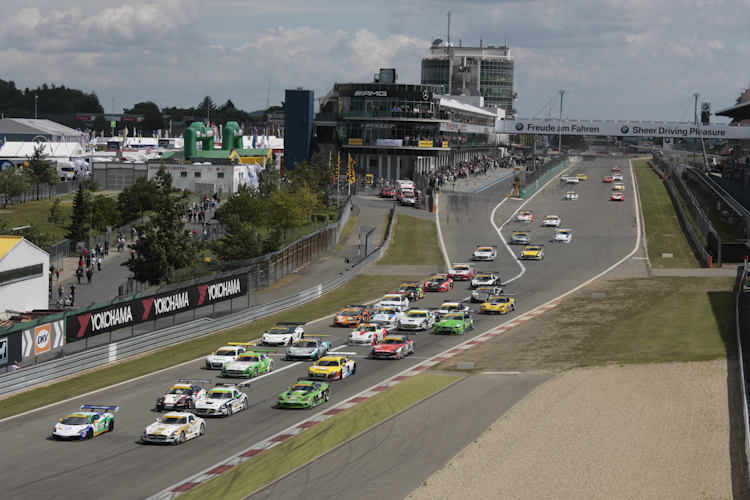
[
  {"x": 15, "y": 366},
  {"x": 99, "y": 264},
  {"x": 66, "y": 302},
  {"x": 61, "y": 291}
]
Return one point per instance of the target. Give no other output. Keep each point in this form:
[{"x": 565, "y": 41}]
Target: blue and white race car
[
  {"x": 308, "y": 349},
  {"x": 91, "y": 421},
  {"x": 387, "y": 317}
]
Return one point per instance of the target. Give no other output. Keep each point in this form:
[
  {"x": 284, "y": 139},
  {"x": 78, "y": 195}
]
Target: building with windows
[
  {"x": 393, "y": 130},
  {"x": 472, "y": 71}
]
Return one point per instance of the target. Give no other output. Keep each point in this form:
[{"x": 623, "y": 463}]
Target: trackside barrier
[
  {"x": 741, "y": 356},
  {"x": 57, "y": 369},
  {"x": 553, "y": 168}
]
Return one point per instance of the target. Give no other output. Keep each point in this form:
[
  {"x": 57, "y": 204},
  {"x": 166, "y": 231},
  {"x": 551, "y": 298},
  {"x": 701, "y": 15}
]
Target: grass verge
[
  {"x": 414, "y": 243},
  {"x": 359, "y": 290},
  {"x": 348, "y": 228},
  {"x": 297, "y": 451},
  {"x": 663, "y": 231}
]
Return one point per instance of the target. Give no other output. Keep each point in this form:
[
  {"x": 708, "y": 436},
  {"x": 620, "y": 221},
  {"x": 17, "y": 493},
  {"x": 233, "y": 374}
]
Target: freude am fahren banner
[
  {"x": 623, "y": 129},
  {"x": 132, "y": 312}
]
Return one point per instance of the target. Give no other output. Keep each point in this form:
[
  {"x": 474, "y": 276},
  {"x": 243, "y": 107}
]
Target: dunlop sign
[{"x": 133, "y": 312}]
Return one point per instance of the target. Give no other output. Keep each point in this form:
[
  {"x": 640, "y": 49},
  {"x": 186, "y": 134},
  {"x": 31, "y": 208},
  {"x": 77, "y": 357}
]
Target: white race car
[
  {"x": 398, "y": 300},
  {"x": 562, "y": 236},
  {"x": 283, "y": 334},
  {"x": 571, "y": 195},
  {"x": 462, "y": 272},
  {"x": 451, "y": 307},
  {"x": 417, "y": 319},
  {"x": 524, "y": 217},
  {"x": 572, "y": 180},
  {"x": 617, "y": 177},
  {"x": 551, "y": 220},
  {"x": 387, "y": 317},
  {"x": 367, "y": 334},
  {"x": 222, "y": 400},
  {"x": 182, "y": 396},
  {"x": 174, "y": 428},
  {"x": 520, "y": 238},
  {"x": 216, "y": 360},
  {"x": 486, "y": 279},
  {"x": 86, "y": 424},
  {"x": 485, "y": 253}
]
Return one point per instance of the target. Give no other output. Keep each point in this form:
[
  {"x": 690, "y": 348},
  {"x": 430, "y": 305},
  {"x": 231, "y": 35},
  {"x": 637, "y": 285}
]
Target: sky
[{"x": 615, "y": 59}]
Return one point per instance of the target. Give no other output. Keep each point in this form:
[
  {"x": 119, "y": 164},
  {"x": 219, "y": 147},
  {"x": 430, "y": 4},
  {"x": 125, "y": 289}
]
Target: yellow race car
[
  {"x": 533, "y": 252},
  {"x": 498, "y": 304},
  {"x": 334, "y": 367},
  {"x": 582, "y": 177}
]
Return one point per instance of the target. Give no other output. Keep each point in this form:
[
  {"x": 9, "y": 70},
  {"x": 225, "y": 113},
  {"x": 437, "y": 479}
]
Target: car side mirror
[
  {"x": 61, "y": 420},
  {"x": 288, "y": 388}
]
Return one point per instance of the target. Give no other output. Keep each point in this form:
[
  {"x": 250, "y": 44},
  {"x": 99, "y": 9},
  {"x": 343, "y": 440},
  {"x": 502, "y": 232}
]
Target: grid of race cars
[{"x": 385, "y": 330}]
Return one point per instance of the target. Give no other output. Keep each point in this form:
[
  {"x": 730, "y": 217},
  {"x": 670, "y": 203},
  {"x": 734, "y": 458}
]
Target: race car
[
  {"x": 283, "y": 334},
  {"x": 582, "y": 177},
  {"x": 454, "y": 324},
  {"x": 535, "y": 252},
  {"x": 462, "y": 272},
  {"x": 618, "y": 196},
  {"x": 617, "y": 177},
  {"x": 491, "y": 278},
  {"x": 484, "y": 253},
  {"x": 573, "y": 180},
  {"x": 438, "y": 283},
  {"x": 367, "y": 334},
  {"x": 615, "y": 169},
  {"x": 417, "y": 319},
  {"x": 499, "y": 304},
  {"x": 450, "y": 307},
  {"x": 562, "y": 236},
  {"x": 387, "y": 317},
  {"x": 216, "y": 359},
  {"x": 222, "y": 400},
  {"x": 306, "y": 393},
  {"x": 175, "y": 428},
  {"x": 182, "y": 396},
  {"x": 334, "y": 366},
  {"x": 91, "y": 421},
  {"x": 571, "y": 195},
  {"x": 482, "y": 293},
  {"x": 386, "y": 192},
  {"x": 520, "y": 238},
  {"x": 351, "y": 315},
  {"x": 551, "y": 220},
  {"x": 249, "y": 364},
  {"x": 564, "y": 177},
  {"x": 618, "y": 187},
  {"x": 608, "y": 178},
  {"x": 413, "y": 291},
  {"x": 398, "y": 300},
  {"x": 392, "y": 347},
  {"x": 524, "y": 217},
  {"x": 307, "y": 349}
]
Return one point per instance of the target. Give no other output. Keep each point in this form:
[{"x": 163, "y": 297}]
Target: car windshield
[
  {"x": 392, "y": 341},
  {"x": 532, "y": 249},
  {"x": 483, "y": 249},
  {"x": 75, "y": 420},
  {"x": 450, "y": 307},
  {"x": 386, "y": 310},
  {"x": 367, "y": 328},
  {"x": 460, "y": 268},
  {"x": 225, "y": 352},
  {"x": 350, "y": 312},
  {"x": 437, "y": 280},
  {"x": 396, "y": 298},
  {"x": 328, "y": 362},
  {"x": 306, "y": 344},
  {"x": 417, "y": 314},
  {"x": 500, "y": 300},
  {"x": 248, "y": 358},
  {"x": 174, "y": 420},
  {"x": 408, "y": 288},
  {"x": 219, "y": 395},
  {"x": 182, "y": 391},
  {"x": 278, "y": 330},
  {"x": 453, "y": 317},
  {"x": 484, "y": 277},
  {"x": 305, "y": 388}
]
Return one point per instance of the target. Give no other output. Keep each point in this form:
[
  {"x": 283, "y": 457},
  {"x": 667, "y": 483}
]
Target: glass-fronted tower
[{"x": 472, "y": 71}]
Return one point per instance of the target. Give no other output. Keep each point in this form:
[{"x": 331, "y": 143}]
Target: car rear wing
[
  {"x": 246, "y": 344},
  {"x": 289, "y": 323},
  {"x": 356, "y": 305},
  {"x": 310, "y": 379},
  {"x": 494, "y": 247},
  {"x": 190, "y": 380},
  {"x": 236, "y": 384},
  {"x": 316, "y": 335},
  {"x": 463, "y": 264},
  {"x": 100, "y": 407},
  {"x": 337, "y": 353},
  {"x": 263, "y": 350}
]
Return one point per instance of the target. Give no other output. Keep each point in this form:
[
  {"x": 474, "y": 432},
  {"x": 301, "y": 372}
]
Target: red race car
[
  {"x": 386, "y": 192},
  {"x": 617, "y": 197},
  {"x": 608, "y": 178},
  {"x": 392, "y": 347},
  {"x": 438, "y": 283},
  {"x": 463, "y": 272},
  {"x": 615, "y": 169}
]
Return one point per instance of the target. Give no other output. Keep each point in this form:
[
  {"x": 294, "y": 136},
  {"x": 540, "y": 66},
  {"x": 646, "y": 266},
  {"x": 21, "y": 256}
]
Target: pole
[
  {"x": 695, "y": 116},
  {"x": 36, "y": 97},
  {"x": 113, "y": 117},
  {"x": 559, "y": 128}
]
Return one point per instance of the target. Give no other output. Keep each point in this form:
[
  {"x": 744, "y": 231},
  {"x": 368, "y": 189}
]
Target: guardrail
[
  {"x": 57, "y": 369},
  {"x": 744, "y": 285}
]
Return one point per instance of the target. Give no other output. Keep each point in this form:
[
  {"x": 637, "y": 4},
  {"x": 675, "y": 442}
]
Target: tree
[
  {"x": 40, "y": 170},
  {"x": 134, "y": 200},
  {"x": 286, "y": 212},
  {"x": 246, "y": 205},
  {"x": 33, "y": 233},
  {"x": 207, "y": 106},
  {"x": 105, "y": 213},
  {"x": 240, "y": 242},
  {"x": 78, "y": 230},
  {"x": 56, "y": 216},
  {"x": 153, "y": 120},
  {"x": 12, "y": 183},
  {"x": 164, "y": 245},
  {"x": 101, "y": 124}
]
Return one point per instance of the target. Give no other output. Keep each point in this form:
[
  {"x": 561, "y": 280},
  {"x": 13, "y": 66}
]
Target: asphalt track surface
[{"x": 604, "y": 233}]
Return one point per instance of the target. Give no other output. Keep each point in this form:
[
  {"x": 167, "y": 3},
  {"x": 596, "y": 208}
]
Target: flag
[
  {"x": 338, "y": 166},
  {"x": 255, "y": 136}
]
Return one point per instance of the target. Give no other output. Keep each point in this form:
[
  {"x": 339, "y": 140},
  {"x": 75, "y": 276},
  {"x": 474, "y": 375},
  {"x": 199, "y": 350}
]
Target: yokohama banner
[{"x": 125, "y": 314}]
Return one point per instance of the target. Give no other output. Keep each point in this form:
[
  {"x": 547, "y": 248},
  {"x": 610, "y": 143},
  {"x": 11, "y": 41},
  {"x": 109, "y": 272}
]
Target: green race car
[
  {"x": 249, "y": 364},
  {"x": 456, "y": 323},
  {"x": 306, "y": 393}
]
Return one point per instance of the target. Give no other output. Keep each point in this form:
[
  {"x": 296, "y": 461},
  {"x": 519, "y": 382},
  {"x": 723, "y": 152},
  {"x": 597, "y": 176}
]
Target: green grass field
[
  {"x": 37, "y": 212},
  {"x": 297, "y": 451},
  {"x": 414, "y": 243},
  {"x": 663, "y": 232}
]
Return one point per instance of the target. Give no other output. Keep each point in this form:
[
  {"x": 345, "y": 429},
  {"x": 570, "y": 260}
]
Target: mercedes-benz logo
[
  {"x": 425, "y": 95},
  {"x": 624, "y": 129},
  {"x": 519, "y": 126},
  {"x": 667, "y": 140}
]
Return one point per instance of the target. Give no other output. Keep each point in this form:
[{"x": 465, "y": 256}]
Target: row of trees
[{"x": 36, "y": 171}]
